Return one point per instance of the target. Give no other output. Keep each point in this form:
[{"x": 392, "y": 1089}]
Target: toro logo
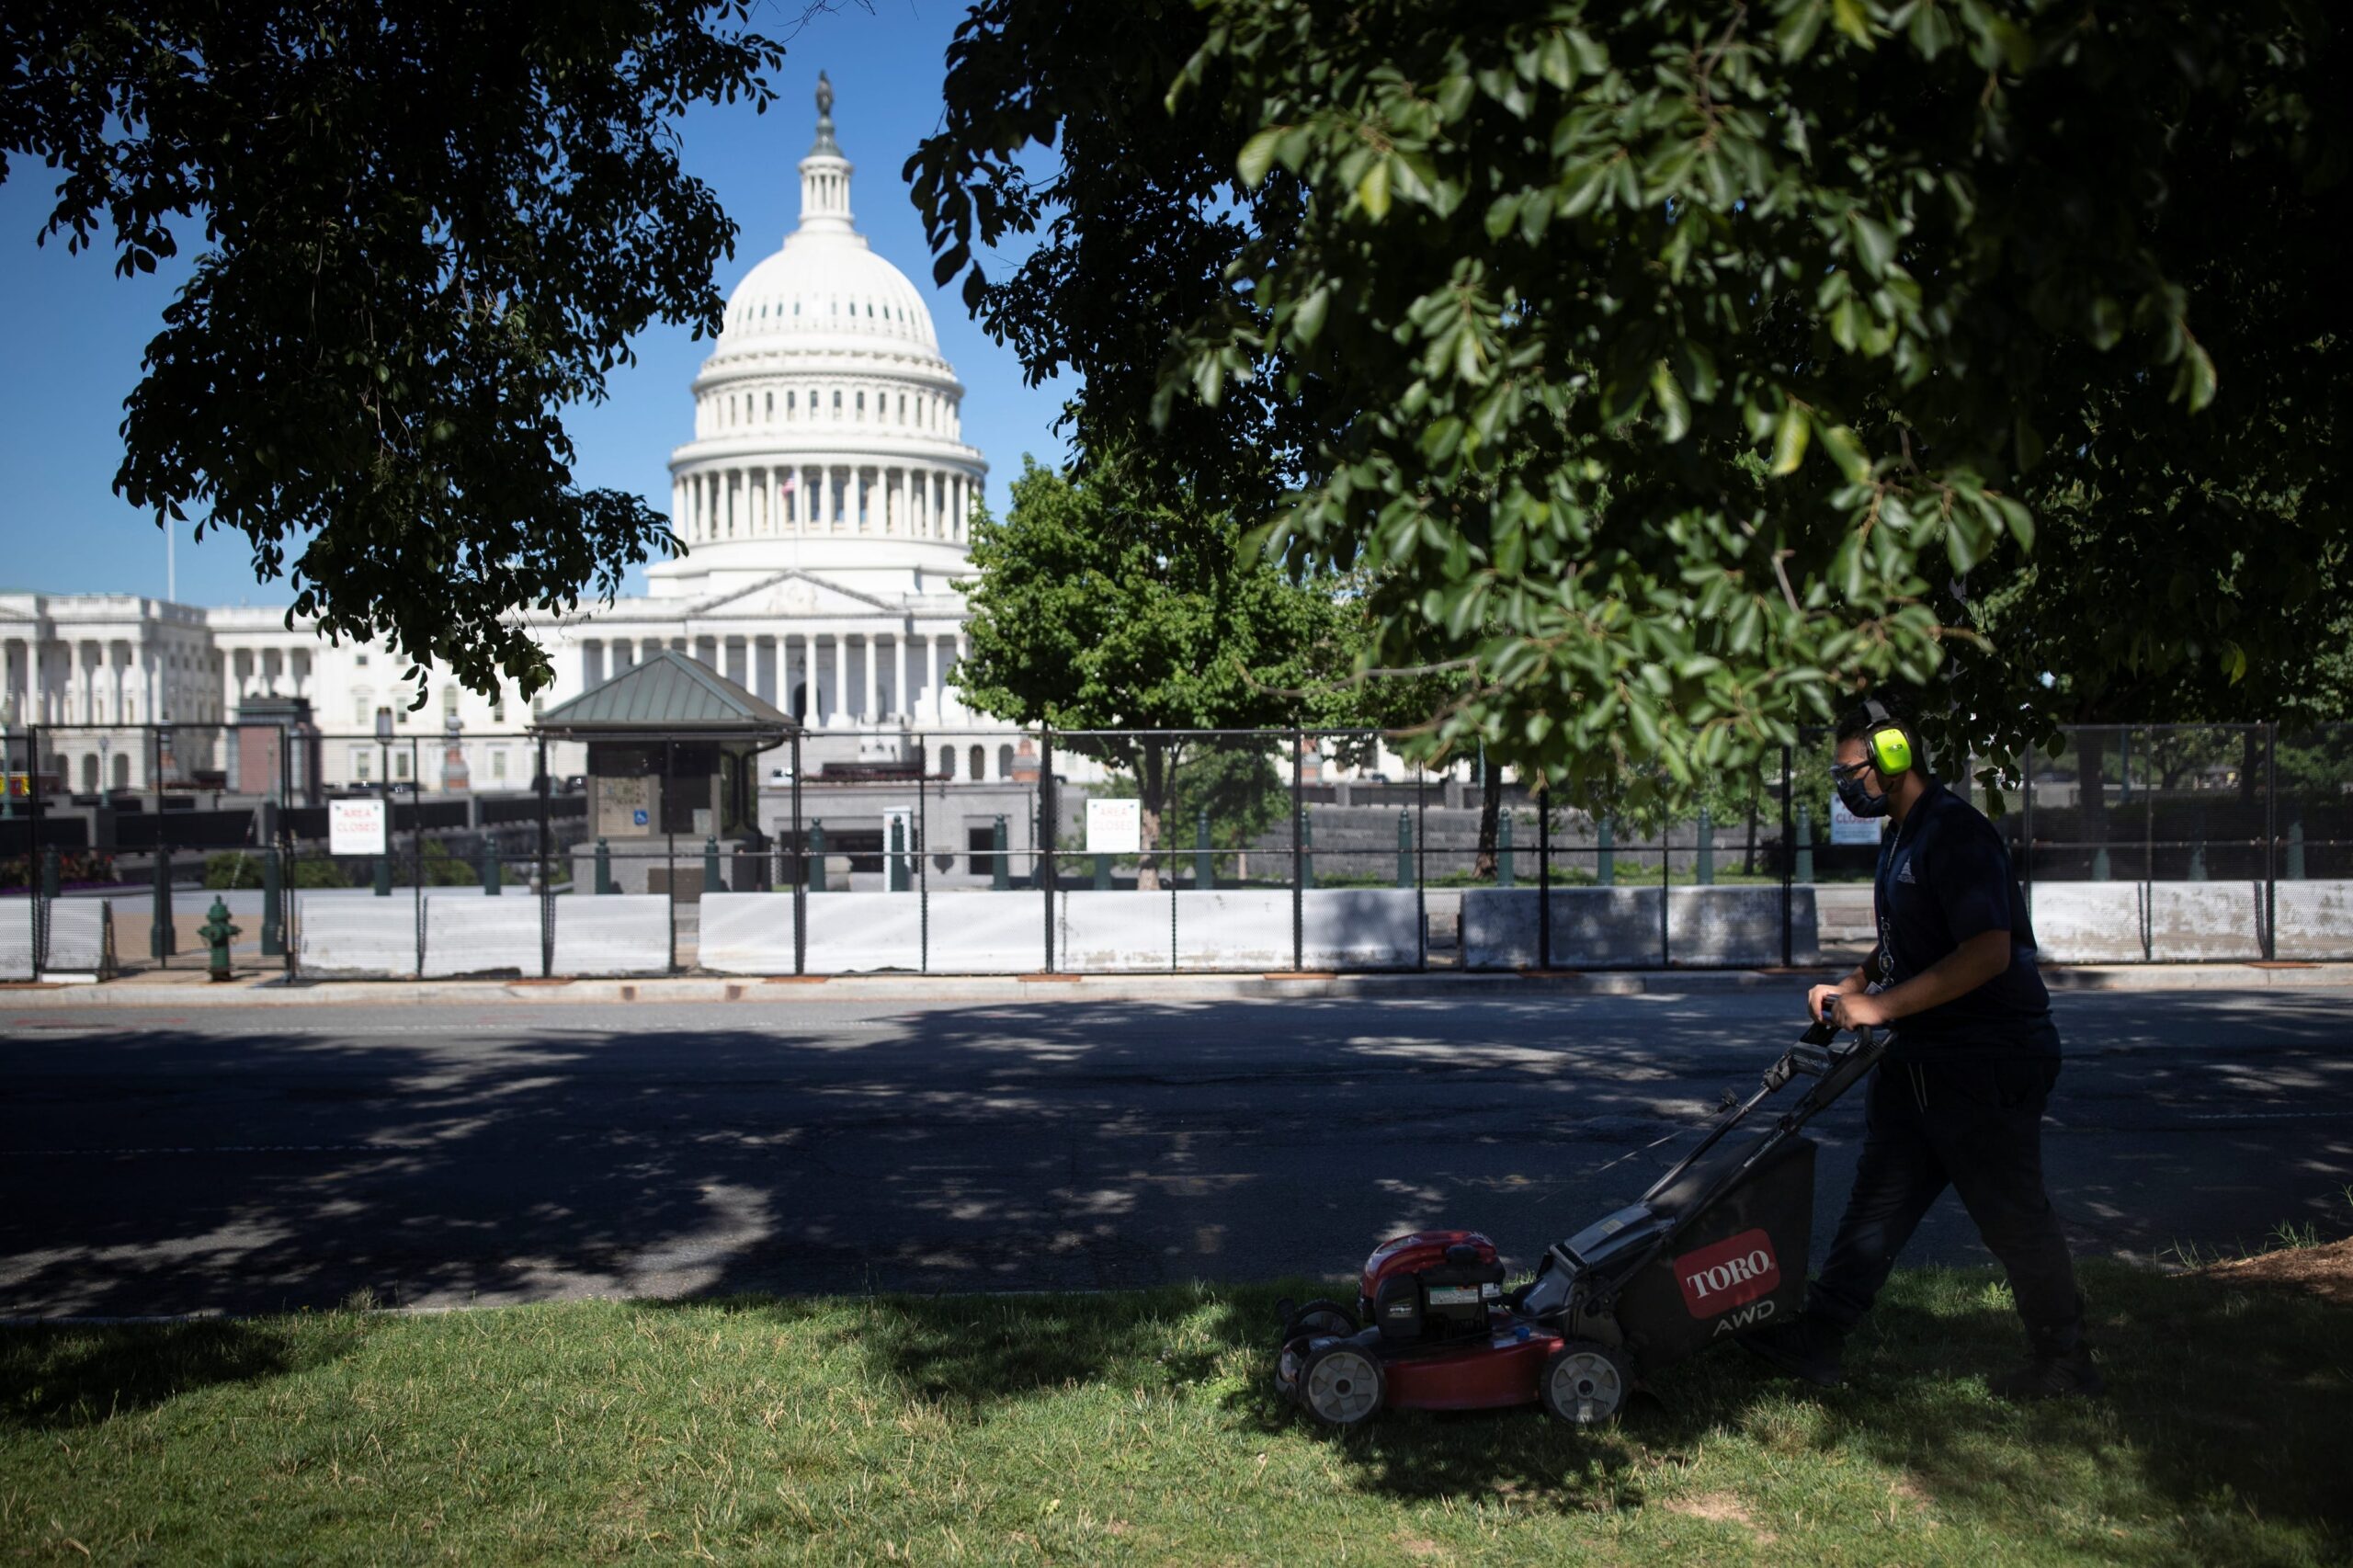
[{"x": 1737, "y": 1270}]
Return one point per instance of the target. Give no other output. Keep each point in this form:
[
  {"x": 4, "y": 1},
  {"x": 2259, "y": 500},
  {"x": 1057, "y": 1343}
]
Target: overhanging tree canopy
[
  {"x": 1690, "y": 364},
  {"x": 427, "y": 230}
]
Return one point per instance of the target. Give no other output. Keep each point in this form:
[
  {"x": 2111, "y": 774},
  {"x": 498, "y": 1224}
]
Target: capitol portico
[{"x": 823, "y": 505}]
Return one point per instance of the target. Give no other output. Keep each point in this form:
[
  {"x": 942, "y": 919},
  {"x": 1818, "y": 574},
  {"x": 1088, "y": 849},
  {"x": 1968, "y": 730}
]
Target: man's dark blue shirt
[{"x": 1944, "y": 877}]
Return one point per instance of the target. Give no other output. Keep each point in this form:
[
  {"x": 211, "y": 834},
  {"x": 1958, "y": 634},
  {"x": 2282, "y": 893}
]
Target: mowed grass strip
[{"x": 1142, "y": 1427}]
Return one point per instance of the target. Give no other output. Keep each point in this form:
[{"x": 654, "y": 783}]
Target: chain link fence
[{"x": 414, "y": 853}]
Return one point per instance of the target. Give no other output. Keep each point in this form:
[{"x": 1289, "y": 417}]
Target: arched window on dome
[
  {"x": 903, "y": 408},
  {"x": 861, "y": 408},
  {"x": 838, "y": 402},
  {"x": 948, "y": 762},
  {"x": 1004, "y": 762},
  {"x": 979, "y": 759},
  {"x": 791, "y": 405},
  {"x": 770, "y": 413}
]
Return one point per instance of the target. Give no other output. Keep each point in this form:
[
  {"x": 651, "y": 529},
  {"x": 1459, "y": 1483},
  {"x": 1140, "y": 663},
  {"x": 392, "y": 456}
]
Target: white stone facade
[{"x": 823, "y": 505}]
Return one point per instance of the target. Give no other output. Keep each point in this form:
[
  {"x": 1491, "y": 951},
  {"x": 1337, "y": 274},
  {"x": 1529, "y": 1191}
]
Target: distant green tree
[{"x": 1109, "y": 602}]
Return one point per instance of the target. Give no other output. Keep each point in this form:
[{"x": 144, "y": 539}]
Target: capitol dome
[{"x": 828, "y": 429}]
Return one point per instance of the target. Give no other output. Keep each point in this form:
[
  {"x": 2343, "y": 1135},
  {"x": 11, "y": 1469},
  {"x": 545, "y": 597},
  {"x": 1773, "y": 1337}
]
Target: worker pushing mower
[{"x": 1717, "y": 1248}]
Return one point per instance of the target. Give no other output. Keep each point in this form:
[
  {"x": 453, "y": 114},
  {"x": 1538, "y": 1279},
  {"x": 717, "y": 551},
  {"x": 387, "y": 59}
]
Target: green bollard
[
  {"x": 1306, "y": 850},
  {"x": 490, "y": 879},
  {"x": 604, "y": 867},
  {"x": 159, "y": 938},
  {"x": 1204, "y": 859},
  {"x": 1102, "y": 873},
  {"x": 383, "y": 876},
  {"x": 2100, "y": 871},
  {"x": 2294, "y": 871},
  {"x": 816, "y": 855},
  {"x": 710, "y": 865},
  {"x": 48, "y": 873},
  {"x": 1605, "y": 854},
  {"x": 1705, "y": 862},
  {"x": 1000, "y": 866},
  {"x": 1502, "y": 851},
  {"x": 273, "y": 906},
  {"x": 1801, "y": 869},
  {"x": 898, "y": 868},
  {"x": 1405, "y": 849}
]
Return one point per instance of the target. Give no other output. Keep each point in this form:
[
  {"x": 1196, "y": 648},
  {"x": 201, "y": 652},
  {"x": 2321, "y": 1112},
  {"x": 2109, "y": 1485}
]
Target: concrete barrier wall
[
  {"x": 2090, "y": 922},
  {"x": 747, "y": 933},
  {"x": 481, "y": 936},
  {"x": 987, "y": 933},
  {"x": 1360, "y": 928},
  {"x": 851, "y": 932},
  {"x": 1237, "y": 929},
  {"x": 1618, "y": 927},
  {"x": 2203, "y": 922},
  {"x": 16, "y": 916},
  {"x": 619, "y": 934},
  {"x": 81, "y": 937},
  {"x": 367, "y": 938},
  {"x": 2316, "y": 919}
]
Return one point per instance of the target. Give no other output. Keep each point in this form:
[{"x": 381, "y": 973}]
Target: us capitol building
[{"x": 823, "y": 501}]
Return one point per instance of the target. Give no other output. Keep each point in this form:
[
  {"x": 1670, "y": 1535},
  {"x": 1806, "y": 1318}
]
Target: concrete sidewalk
[{"x": 183, "y": 988}]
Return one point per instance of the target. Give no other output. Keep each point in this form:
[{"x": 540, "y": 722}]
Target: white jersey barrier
[
  {"x": 343, "y": 936},
  {"x": 615, "y": 934},
  {"x": 2182, "y": 922},
  {"x": 1236, "y": 929},
  {"x": 2316, "y": 919},
  {"x": 80, "y": 938},
  {"x": 17, "y": 917},
  {"x": 481, "y": 936},
  {"x": 747, "y": 933},
  {"x": 1618, "y": 927}
]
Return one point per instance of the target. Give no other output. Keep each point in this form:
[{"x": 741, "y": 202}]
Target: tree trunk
[{"x": 1491, "y": 801}]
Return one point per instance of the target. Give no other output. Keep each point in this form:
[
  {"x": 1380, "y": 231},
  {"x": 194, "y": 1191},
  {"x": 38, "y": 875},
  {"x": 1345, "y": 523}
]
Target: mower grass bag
[{"x": 1718, "y": 1245}]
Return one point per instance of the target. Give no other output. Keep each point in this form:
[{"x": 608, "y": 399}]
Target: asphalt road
[{"x": 241, "y": 1161}]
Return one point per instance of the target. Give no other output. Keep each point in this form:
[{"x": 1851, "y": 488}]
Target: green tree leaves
[
  {"x": 1688, "y": 367},
  {"x": 427, "y": 232}
]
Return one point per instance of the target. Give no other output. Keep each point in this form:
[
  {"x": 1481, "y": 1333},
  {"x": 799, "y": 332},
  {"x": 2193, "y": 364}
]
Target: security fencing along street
[{"x": 781, "y": 851}]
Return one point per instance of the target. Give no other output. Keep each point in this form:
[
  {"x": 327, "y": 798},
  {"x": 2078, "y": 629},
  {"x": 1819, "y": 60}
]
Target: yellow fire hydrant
[{"x": 217, "y": 933}]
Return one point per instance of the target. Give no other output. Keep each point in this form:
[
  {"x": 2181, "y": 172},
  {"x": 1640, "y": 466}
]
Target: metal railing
[{"x": 2144, "y": 831}]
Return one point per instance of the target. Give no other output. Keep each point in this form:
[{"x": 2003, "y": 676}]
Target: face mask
[{"x": 1858, "y": 799}]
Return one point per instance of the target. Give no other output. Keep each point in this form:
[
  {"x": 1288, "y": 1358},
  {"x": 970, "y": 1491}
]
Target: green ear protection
[{"x": 1891, "y": 748}]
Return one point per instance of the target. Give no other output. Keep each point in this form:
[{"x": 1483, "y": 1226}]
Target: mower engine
[{"x": 1432, "y": 1287}]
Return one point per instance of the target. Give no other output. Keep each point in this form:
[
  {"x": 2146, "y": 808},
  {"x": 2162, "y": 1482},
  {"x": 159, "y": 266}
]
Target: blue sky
[{"x": 76, "y": 331}]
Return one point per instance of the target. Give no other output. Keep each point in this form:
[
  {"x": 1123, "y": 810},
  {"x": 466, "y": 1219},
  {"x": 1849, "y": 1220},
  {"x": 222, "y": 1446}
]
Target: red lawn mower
[{"x": 1698, "y": 1259}]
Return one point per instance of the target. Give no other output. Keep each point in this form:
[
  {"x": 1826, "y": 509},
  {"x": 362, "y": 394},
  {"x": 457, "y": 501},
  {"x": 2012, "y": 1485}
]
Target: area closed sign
[
  {"x": 355, "y": 827},
  {"x": 1114, "y": 827}
]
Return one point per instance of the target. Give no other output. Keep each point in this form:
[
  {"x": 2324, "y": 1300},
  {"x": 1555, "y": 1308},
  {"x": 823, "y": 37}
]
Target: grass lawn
[{"x": 1141, "y": 1427}]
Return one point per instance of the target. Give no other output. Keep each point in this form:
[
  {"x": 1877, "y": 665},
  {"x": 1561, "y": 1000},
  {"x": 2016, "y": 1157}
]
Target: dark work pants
[{"x": 1977, "y": 1126}]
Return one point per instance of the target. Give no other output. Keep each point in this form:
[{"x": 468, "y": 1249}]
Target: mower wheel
[
  {"x": 1341, "y": 1384},
  {"x": 1317, "y": 1320},
  {"x": 1585, "y": 1383}
]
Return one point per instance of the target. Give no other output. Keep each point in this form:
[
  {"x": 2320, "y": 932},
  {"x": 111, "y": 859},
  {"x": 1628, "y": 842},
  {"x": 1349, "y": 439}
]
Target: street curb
[{"x": 799, "y": 990}]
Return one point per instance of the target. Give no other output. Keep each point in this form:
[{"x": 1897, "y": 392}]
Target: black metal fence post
[
  {"x": 670, "y": 848},
  {"x": 2270, "y": 841},
  {"x": 35, "y": 865},
  {"x": 415, "y": 831},
  {"x": 1421, "y": 869},
  {"x": 1544, "y": 874},
  {"x": 547, "y": 869},
  {"x": 1298, "y": 851},
  {"x": 1046, "y": 832},
  {"x": 2026, "y": 835},
  {"x": 799, "y": 869},
  {"x": 1789, "y": 864}
]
